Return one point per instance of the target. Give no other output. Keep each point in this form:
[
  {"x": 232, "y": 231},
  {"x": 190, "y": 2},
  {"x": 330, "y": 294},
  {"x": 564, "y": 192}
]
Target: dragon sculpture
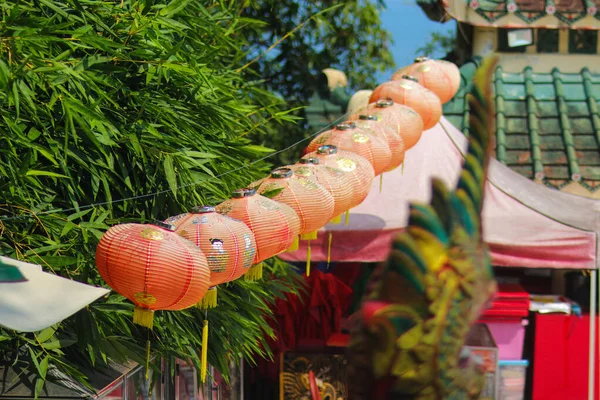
[{"x": 407, "y": 340}]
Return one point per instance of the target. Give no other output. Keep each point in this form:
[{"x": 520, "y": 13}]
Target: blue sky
[{"x": 410, "y": 29}]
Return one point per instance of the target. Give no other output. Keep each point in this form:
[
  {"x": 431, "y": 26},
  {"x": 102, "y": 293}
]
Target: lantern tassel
[
  {"x": 210, "y": 299},
  {"x": 281, "y": 375},
  {"x": 403, "y": 162},
  {"x": 329, "y": 249},
  {"x": 295, "y": 244},
  {"x": 143, "y": 317},
  {"x": 308, "y": 253},
  {"x": 380, "y": 182},
  {"x": 347, "y": 217},
  {"x": 254, "y": 273},
  {"x": 204, "y": 359},
  {"x": 336, "y": 220},
  {"x": 147, "y": 357},
  {"x": 309, "y": 236}
]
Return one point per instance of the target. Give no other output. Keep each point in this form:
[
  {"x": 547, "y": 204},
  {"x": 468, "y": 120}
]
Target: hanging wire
[{"x": 85, "y": 207}]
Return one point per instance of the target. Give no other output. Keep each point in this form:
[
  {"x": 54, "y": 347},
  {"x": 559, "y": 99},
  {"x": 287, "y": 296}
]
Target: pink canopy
[{"x": 525, "y": 224}]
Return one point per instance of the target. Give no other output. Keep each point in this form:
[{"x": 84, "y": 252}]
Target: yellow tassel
[
  {"x": 308, "y": 259},
  {"x": 204, "y": 358},
  {"x": 347, "y": 217},
  {"x": 143, "y": 317},
  {"x": 210, "y": 299},
  {"x": 295, "y": 244},
  {"x": 147, "y": 358},
  {"x": 380, "y": 182},
  {"x": 403, "y": 162},
  {"x": 281, "y": 386},
  {"x": 254, "y": 273},
  {"x": 309, "y": 235},
  {"x": 336, "y": 220},
  {"x": 329, "y": 249}
]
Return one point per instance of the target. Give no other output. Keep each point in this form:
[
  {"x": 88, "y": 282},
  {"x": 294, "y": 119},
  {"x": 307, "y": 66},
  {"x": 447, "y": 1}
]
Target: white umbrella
[{"x": 42, "y": 300}]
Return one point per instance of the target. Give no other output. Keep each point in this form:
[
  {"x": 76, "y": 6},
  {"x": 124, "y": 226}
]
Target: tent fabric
[
  {"x": 43, "y": 300},
  {"x": 525, "y": 224}
]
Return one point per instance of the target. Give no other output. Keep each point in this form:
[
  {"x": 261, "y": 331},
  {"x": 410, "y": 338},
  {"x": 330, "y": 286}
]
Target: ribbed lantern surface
[
  {"x": 153, "y": 267},
  {"x": 409, "y": 92},
  {"x": 388, "y": 133},
  {"x": 439, "y": 76},
  {"x": 358, "y": 171},
  {"x": 404, "y": 119},
  {"x": 349, "y": 137},
  {"x": 228, "y": 244},
  {"x": 312, "y": 202},
  {"x": 275, "y": 225},
  {"x": 331, "y": 178}
]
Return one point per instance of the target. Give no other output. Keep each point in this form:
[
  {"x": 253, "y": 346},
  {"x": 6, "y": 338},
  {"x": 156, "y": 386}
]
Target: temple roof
[
  {"x": 548, "y": 125},
  {"x": 581, "y": 14}
]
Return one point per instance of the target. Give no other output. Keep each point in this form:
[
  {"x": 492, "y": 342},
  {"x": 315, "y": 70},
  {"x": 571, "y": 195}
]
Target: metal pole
[{"x": 592, "y": 348}]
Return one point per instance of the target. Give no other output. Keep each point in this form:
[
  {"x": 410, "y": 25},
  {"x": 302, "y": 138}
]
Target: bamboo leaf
[
  {"x": 170, "y": 174},
  {"x": 46, "y": 334},
  {"x": 41, "y": 380},
  {"x": 33, "y": 172}
]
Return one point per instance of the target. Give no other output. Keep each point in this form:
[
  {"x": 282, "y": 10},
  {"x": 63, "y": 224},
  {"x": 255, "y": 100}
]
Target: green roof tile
[{"x": 548, "y": 124}]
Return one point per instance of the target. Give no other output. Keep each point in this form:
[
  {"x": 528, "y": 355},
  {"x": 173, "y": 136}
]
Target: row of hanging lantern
[{"x": 178, "y": 264}]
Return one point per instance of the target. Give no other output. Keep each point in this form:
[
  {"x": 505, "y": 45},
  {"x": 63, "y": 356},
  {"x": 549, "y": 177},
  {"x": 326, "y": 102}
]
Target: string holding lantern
[
  {"x": 407, "y": 122},
  {"x": 312, "y": 202},
  {"x": 439, "y": 76},
  {"x": 409, "y": 92},
  {"x": 228, "y": 244},
  {"x": 356, "y": 171},
  {"x": 349, "y": 137},
  {"x": 275, "y": 225}
]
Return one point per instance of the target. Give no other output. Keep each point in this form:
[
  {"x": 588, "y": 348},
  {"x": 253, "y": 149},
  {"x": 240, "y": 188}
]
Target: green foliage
[
  {"x": 299, "y": 38},
  {"x": 438, "y": 45},
  {"x": 106, "y": 102}
]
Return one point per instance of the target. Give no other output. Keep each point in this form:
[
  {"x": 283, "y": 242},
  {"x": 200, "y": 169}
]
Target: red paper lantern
[
  {"x": 357, "y": 171},
  {"x": 388, "y": 133},
  {"x": 153, "y": 267},
  {"x": 349, "y": 137},
  {"x": 407, "y": 91},
  {"x": 332, "y": 179},
  {"x": 228, "y": 244},
  {"x": 404, "y": 119},
  {"x": 312, "y": 202},
  {"x": 275, "y": 225},
  {"x": 441, "y": 77}
]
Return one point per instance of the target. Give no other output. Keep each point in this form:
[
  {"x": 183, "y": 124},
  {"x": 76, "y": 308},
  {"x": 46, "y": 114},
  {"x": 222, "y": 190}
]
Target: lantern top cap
[
  {"x": 327, "y": 149},
  {"x": 163, "y": 225},
  {"x": 203, "y": 209},
  {"x": 384, "y": 103},
  {"x": 369, "y": 117},
  {"x": 309, "y": 160},
  {"x": 421, "y": 59},
  {"x": 241, "y": 193},
  {"x": 282, "y": 173},
  {"x": 346, "y": 126},
  {"x": 410, "y": 78}
]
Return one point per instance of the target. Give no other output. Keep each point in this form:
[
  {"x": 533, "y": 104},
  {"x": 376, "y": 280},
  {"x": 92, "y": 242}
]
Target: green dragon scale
[{"x": 407, "y": 340}]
